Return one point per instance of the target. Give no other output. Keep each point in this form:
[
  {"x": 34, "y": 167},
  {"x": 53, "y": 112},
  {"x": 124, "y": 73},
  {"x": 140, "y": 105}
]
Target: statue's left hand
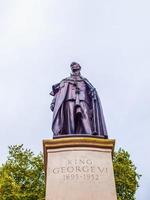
[{"x": 93, "y": 93}]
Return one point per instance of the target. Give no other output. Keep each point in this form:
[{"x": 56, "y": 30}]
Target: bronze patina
[{"x": 76, "y": 107}]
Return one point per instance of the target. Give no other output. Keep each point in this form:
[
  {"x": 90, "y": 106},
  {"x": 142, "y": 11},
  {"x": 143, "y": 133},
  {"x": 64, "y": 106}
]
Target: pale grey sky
[{"x": 111, "y": 41}]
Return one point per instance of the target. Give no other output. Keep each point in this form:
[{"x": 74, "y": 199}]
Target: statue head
[{"x": 75, "y": 67}]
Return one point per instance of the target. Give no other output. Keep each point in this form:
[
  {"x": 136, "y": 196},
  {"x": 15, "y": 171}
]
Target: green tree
[
  {"x": 22, "y": 176},
  {"x": 126, "y": 177}
]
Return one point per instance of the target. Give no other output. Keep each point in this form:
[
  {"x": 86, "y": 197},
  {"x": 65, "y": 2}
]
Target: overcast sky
[{"x": 110, "y": 39}]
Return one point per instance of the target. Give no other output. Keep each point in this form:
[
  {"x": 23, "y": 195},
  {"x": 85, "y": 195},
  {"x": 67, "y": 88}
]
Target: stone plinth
[{"x": 79, "y": 169}]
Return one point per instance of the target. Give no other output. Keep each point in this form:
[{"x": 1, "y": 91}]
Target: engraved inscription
[{"x": 79, "y": 170}]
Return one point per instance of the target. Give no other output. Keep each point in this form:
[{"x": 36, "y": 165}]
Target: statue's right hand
[{"x": 52, "y": 107}]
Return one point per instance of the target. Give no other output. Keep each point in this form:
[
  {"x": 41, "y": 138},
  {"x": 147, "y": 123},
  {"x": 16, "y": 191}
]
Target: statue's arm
[
  {"x": 55, "y": 89},
  {"x": 52, "y": 106}
]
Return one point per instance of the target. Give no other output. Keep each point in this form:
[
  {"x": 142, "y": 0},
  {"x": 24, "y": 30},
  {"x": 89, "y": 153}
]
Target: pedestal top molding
[{"x": 79, "y": 142}]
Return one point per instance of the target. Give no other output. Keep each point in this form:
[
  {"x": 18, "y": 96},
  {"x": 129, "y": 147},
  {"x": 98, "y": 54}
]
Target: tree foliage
[
  {"x": 126, "y": 177},
  {"x": 22, "y": 176}
]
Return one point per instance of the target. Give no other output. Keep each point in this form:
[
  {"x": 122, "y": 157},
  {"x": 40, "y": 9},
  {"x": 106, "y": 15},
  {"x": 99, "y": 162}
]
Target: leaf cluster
[
  {"x": 126, "y": 177},
  {"x": 22, "y": 176}
]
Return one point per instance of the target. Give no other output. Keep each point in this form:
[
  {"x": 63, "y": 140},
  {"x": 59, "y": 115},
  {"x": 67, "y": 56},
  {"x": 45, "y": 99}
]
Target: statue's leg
[
  {"x": 78, "y": 122},
  {"x": 69, "y": 117},
  {"x": 85, "y": 119}
]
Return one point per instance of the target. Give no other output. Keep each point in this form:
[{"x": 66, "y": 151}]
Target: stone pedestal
[{"x": 79, "y": 169}]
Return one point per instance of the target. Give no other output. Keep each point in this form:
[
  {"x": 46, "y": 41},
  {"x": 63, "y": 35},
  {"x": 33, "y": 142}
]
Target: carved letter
[
  {"x": 70, "y": 169},
  {"x": 56, "y": 170},
  {"x": 101, "y": 170},
  {"x": 89, "y": 162},
  {"x": 85, "y": 169}
]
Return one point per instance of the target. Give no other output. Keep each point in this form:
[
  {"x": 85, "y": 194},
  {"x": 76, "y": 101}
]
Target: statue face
[{"x": 75, "y": 67}]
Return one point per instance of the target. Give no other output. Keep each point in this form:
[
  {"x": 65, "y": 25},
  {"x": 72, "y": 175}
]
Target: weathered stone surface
[{"x": 79, "y": 172}]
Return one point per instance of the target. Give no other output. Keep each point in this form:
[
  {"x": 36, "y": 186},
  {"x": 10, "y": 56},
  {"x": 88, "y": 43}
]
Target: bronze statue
[{"x": 76, "y": 107}]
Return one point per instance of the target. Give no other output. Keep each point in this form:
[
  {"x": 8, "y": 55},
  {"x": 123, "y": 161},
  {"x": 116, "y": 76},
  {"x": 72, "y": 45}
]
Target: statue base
[
  {"x": 80, "y": 135},
  {"x": 79, "y": 168}
]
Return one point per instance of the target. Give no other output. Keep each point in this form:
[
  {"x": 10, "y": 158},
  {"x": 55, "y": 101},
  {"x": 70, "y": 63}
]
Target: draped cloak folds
[{"x": 59, "y": 91}]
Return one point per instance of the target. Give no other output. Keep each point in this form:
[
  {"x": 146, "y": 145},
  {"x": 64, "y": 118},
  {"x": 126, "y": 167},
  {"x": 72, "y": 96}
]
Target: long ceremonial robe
[{"x": 59, "y": 91}]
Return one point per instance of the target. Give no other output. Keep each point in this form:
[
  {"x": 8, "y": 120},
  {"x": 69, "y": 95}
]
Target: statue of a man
[{"x": 76, "y": 107}]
